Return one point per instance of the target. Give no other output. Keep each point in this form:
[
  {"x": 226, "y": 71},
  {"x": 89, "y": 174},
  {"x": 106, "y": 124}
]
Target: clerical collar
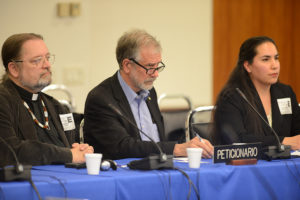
[{"x": 25, "y": 95}]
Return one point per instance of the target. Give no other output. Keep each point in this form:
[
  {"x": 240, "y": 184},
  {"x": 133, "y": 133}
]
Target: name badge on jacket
[
  {"x": 285, "y": 106},
  {"x": 67, "y": 121}
]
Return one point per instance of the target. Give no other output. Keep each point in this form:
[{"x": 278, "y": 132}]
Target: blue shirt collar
[{"x": 130, "y": 94}]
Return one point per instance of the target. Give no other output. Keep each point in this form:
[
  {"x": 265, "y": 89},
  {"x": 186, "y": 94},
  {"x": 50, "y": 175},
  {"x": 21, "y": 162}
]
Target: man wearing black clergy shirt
[{"x": 34, "y": 124}]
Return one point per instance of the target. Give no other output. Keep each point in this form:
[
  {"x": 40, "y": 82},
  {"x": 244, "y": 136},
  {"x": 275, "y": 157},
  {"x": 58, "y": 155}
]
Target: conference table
[{"x": 277, "y": 179}]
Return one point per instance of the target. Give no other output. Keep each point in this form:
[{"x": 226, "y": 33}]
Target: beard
[
  {"x": 147, "y": 84},
  {"x": 44, "y": 80}
]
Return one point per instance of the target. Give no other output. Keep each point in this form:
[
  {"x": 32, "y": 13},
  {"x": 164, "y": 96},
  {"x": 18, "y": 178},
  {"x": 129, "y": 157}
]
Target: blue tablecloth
[{"x": 279, "y": 179}]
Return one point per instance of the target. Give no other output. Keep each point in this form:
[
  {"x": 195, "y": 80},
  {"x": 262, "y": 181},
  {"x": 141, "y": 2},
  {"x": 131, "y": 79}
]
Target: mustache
[
  {"x": 150, "y": 79},
  {"x": 47, "y": 71}
]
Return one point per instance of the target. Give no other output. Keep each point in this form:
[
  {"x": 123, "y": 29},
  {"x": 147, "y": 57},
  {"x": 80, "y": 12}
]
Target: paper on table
[
  {"x": 184, "y": 159},
  {"x": 296, "y": 153}
]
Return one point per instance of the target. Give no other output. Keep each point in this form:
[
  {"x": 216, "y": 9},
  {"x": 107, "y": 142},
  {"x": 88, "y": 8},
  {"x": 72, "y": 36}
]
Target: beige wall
[{"x": 85, "y": 45}]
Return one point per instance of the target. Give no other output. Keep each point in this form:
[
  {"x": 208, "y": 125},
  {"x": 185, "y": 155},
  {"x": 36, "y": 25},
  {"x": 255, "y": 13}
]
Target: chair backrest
[
  {"x": 60, "y": 92},
  {"x": 199, "y": 121},
  {"x": 81, "y": 135},
  {"x": 174, "y": 114}
]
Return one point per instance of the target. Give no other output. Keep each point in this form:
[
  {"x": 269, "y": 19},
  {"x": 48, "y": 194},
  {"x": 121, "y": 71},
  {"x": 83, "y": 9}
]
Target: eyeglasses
[
  {"x": 151, "y": 70},
  {"x": 39, "y": 61}
]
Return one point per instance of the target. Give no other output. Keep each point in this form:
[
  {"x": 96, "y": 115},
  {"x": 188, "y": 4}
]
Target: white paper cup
[
  {"x": 93, "y": 161},
  {"x": 194, "y": 157}
]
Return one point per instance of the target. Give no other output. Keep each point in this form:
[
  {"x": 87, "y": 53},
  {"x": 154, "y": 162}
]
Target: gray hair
[{"x": 130, "y": 43}]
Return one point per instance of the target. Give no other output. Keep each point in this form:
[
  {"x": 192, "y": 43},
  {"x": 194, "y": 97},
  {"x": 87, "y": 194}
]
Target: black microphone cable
[
  {"x": 35, "y": 189},
  {"x": 171, "y": 197},
  {"x": 291, "y": 172},
  {"x": 59, "y": 181},
  {"x": 33, "y": 186},
  {"x": 2, "y": 193},
  {"x": 191, "y": 184},
  {"x": 166, "y": 189},
  {"x": 296, "y": 167},
  {"x": 62, "y": 184}
]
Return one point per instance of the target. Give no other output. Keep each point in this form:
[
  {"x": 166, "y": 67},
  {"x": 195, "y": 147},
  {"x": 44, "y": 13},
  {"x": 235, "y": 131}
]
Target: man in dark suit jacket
[
  {"x": 34, "y": 124},
  {"x": 131, "y": 91}
]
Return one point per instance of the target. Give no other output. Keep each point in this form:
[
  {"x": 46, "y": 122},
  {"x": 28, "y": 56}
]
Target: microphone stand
[
  {"x": 270, "y": 152},
  {"x": 17, "y": 172},
  {"x": 161, "y": 161}
]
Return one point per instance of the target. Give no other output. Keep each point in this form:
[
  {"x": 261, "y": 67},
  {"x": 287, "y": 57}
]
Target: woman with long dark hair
[{"x": 256, "y": 76}]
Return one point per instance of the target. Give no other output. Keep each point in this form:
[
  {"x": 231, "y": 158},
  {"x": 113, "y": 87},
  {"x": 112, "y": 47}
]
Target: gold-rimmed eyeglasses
[{"x": 39, "y": 61}]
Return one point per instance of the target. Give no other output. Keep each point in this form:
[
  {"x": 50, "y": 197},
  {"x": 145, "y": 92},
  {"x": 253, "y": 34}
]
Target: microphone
[
  {"x": 17, "y": 172},
  {"x": 153, "y": 161},
  {"x": 271, "y": 152}
]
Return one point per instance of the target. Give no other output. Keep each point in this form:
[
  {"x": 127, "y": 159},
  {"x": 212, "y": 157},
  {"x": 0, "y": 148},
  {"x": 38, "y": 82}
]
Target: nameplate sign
[{"x": 226, "y": 153}]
